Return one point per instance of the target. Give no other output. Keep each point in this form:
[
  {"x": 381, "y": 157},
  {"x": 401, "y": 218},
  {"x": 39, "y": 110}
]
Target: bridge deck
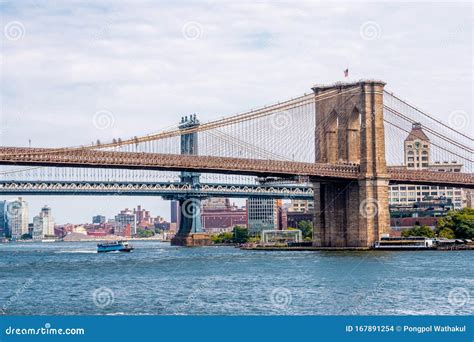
[{"x": 258, "y": 167}]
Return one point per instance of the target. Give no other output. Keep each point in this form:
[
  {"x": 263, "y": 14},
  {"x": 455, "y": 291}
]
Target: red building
[{"x": 218, "y": 215}]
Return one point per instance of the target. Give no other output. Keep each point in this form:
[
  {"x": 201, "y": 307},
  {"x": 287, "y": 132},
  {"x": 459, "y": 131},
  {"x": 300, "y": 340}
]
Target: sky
[{"x": 147, "y": 63}]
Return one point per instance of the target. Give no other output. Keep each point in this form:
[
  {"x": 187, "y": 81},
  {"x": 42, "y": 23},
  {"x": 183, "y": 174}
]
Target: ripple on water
[{"x": 60, "y": 279}]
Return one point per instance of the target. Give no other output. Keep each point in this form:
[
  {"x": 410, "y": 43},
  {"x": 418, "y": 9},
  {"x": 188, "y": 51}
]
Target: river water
[{"x": 157, "y": 279}]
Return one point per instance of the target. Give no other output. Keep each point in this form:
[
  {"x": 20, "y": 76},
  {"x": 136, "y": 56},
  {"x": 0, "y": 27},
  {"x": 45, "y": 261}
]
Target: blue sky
[{"x": 149, "y": 62}]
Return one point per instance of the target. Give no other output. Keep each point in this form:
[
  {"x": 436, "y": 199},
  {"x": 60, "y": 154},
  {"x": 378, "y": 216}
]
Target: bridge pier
[{"x": 349, "y": 129}]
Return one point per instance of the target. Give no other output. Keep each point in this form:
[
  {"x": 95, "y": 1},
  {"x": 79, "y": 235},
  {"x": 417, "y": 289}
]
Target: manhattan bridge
[{"x": 342, "y": 145}]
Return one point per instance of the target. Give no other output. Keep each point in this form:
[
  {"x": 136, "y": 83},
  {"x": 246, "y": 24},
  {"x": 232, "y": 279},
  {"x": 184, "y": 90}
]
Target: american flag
[{"x": 346, "y": 73}]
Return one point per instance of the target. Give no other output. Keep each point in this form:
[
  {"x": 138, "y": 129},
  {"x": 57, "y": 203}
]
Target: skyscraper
[
  {"x": 3, "y": 220},
  {"x": 43, "y": 224},
  {"x": 263, "y": 214},
  {"x": 16, "y": 214}
]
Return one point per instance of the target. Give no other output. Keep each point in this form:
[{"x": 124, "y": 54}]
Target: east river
[{"x": 157, "y": 279}]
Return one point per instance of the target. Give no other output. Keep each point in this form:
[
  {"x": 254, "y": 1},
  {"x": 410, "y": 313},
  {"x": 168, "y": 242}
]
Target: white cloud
[{"x": 131, "y": 59}]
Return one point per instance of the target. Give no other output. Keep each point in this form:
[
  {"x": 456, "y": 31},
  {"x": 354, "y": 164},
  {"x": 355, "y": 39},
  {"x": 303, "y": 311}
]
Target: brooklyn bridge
[{"x": 341, "y": 145}]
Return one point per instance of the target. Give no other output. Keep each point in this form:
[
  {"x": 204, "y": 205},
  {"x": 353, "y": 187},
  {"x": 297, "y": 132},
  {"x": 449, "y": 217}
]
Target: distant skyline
[{"x": 149, "y": 63}]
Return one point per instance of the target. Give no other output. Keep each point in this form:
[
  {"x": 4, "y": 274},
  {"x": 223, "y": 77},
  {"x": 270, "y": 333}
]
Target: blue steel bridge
[{"x": 341, "y": 145}]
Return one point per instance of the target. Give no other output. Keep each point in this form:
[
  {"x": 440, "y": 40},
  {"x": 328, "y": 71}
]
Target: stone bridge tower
[{"x": 350, "y": 129}]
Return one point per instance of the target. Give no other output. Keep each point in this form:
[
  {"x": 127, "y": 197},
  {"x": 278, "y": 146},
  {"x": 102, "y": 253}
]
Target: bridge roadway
[{"x": 79, "y": 157}]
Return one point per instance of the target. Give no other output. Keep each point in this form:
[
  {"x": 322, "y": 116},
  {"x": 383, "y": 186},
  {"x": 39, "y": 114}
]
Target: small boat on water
[{"x": 114, "y": 246}]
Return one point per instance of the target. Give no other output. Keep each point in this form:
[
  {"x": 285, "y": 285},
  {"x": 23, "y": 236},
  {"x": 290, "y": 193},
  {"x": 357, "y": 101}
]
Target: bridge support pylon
[
  {"x": 350, "y": 129},
  {"x": 190, "y": 232}
]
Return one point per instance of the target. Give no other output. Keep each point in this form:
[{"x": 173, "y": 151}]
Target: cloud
[{"x": 131, "y": 58}]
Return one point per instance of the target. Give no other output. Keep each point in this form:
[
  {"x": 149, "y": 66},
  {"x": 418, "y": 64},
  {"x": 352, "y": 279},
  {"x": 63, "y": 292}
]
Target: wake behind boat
[{"x": 114, "y": 246}]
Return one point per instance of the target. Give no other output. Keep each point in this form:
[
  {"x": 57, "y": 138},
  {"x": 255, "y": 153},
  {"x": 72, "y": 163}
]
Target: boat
[
  {"x": 114, "y": 246},
  {"x": 407, "y": 243}
]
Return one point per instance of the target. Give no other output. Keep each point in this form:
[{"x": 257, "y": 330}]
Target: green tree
[
  {"x": 419, "y": 231},
  {"x": 446, "y": 233},
  {"x": 143, "y": 233},
  {"x": 306, "y": 228},
  {"x": 461, "y": 222},
  {"x": 26, "y": 236},
  {"x": 240, "y": 235}
]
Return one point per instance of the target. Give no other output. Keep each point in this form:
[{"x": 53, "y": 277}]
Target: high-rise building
[
  {"x": 174, "y": 224},
  {"x": 16, "y": 215},
  {"x": 417, "y": 156},
  {"x": 98, "y": 219},
  {"x": 3, "y": 220},
  {"x": 264, "y": 214},
  {"x": 301, "y": 206},
  {"x": 126, "y": 219},
  {"x": 43, "y": 224}
]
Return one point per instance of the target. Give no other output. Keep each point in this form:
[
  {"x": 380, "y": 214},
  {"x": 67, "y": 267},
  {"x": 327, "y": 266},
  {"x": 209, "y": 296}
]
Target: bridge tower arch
[{"x": 350, "y": 129}]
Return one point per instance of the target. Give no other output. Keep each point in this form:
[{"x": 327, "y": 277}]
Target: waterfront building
[
  {"x": 301, "y": 206},
  {"x": 43, "y": 224},
  {"x": 417, "y": 156},
  {"x": 295, "y": 217},
  {"x": 3, "y": 220},
  {"x": 281, "y": 236},
  {"x": 142, "y": 217},
  {"x": 219, "y": 215},
  {"x": 98, "y": 219},
  {"x": 174, "y": 224},
  {"x": 126, "y": 219},
  {"x": 16, "y": 217},
  {"x": 264, "y": 214}
]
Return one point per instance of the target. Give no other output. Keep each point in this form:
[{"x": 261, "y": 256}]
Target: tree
[
  {"x": 26, "y": 236},
  {"x": 143, "y": 233},
  {"x": 226, "y": 237},
  {"x": 306, "y": 228},
  {"x": 461, "y": 222},
  {"x": 446, "y": 233},
  {"x": 419, "y": 231},
  {"x": 240, "y": 235}
]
